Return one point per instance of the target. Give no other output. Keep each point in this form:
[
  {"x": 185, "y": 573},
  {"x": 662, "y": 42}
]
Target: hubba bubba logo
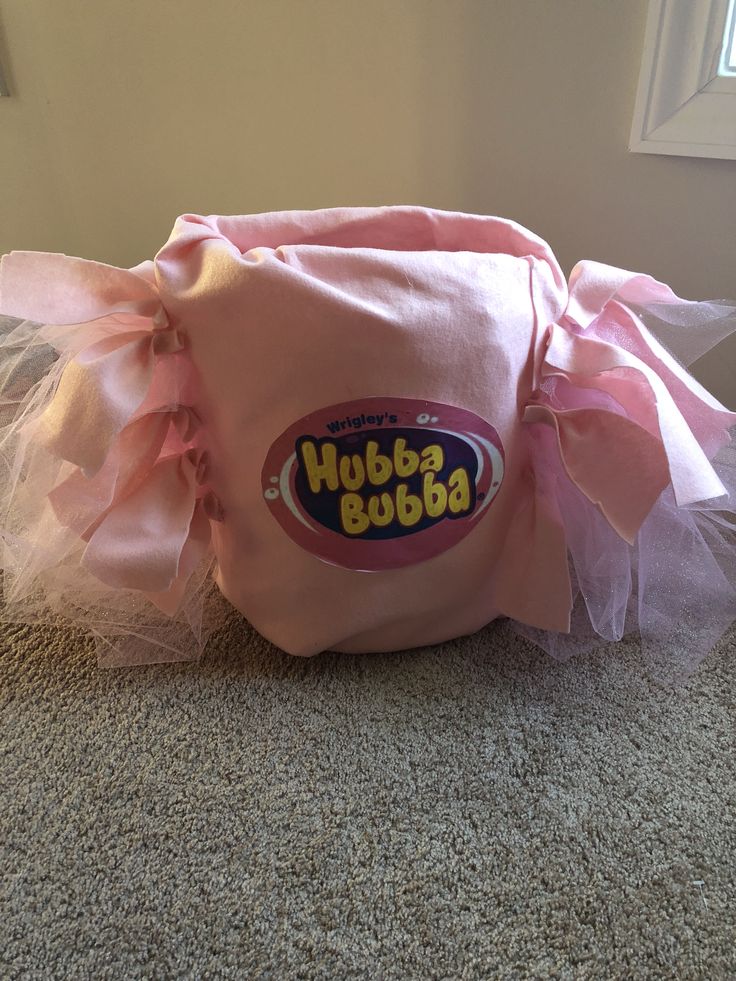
[
  {"x": 382, "y": 483},
  {"x": 357, "y": 479}
]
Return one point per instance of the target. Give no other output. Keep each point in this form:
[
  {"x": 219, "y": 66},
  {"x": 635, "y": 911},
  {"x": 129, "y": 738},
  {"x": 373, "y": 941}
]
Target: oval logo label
[{"x": 382, "y": 483}]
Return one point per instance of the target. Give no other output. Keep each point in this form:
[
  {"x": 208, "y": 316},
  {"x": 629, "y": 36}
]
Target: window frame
[{"x": 685, "y": 106}]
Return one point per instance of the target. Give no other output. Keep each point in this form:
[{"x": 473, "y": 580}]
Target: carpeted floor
[{"x": 472, "y": 811}]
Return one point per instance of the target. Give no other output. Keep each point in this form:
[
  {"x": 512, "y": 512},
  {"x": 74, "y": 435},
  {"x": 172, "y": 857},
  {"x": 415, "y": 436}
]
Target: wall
[{"x": 126, "y": 113}]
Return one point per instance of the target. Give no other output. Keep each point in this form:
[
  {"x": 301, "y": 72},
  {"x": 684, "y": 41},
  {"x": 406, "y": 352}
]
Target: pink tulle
[
  {"x": 675, "y": 584},
  {"x": 54, "y": 550}
]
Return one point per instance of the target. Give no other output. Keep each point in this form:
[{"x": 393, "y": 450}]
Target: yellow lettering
[
  {"x": 353, "y": 518},
  {"x": 317, "y": 470},
  {"x": 408, "y": 507},
  {"x": 386, "y": 515},
  {"x": 435, "y": 497},
  {"x": 405, "y": 461},
  {"x": 459, "y": 498},
  {"x": 433, "y": 458},
  {"x": 353, "y": 477},
  {"x": 378, "y": 467}
]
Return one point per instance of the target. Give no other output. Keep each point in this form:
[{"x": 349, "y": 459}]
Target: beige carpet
[{"x": 464, "y": 812}]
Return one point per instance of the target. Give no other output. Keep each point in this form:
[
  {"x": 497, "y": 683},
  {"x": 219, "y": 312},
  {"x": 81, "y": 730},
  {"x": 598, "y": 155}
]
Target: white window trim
[{"x": 683, "y": 105}]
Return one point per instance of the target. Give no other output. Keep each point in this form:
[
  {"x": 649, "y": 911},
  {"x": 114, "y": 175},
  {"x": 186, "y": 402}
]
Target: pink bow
[
  {"x": 154, "y": 536},
  {"x": 79, "y": 501},
  {"x": 61, "y": 289},
  {"x": 137, "y": 498},
  {"x": 623, "y": 458},
  {"x": 145, "y": 525},
  {"x": 100, "y": 390}
]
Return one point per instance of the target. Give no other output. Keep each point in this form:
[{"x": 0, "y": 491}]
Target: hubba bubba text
[{"x": 359, "y": 477}]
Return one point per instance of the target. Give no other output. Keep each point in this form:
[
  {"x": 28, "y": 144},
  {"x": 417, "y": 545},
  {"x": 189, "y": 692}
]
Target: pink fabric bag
[{"x": 377, "y": 428}]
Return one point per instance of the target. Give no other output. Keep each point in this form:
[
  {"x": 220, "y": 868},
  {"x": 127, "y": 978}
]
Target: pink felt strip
[
  {"x": 139, "y": 543},
  {"x": 693, "y": 478},
  {"x": 593, "y": 284},
  {"x": 61, "y": 289},
  {"x": 616, "y": 463},
  {"x": 98, "y": 393}
]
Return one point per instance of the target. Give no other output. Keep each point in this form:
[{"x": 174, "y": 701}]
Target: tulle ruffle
[
  {"x": 651, "y": 539},
  {"x": 105, "y": 507}
]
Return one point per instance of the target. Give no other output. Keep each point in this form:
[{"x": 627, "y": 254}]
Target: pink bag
[{"x": 380, "y": 428}]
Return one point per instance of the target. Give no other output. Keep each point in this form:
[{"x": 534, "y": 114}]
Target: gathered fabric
[
  {"x": 372, "y": 429},
  {"x": 123, "y": 521}
]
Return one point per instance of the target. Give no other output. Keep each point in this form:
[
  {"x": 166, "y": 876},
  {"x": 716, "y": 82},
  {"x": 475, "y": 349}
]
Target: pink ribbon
[
  {"x": 144, "y": 522},
  {"x": 535, "y": 554},
  {"x": 623, "y": 460},
  {"x": 150, "y": 538},
  {"x": 100, "y": 390},
  {"x": 61, "y": 289},
  {"x": 593, "y": 284},
  {"x": 195, "y": 549},
  {"x": 616, "y": 463},
  {"x": 144, "y": 526},
  {"x": 80, "y": 501},
  {"x": 142, "y": 514},
  {"x": 587, "y": 359}
]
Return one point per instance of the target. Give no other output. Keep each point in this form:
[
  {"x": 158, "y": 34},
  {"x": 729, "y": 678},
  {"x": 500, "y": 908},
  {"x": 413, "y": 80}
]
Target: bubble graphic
[
  {"x": 271, "y": 494},
  {"x": 422, "y": 418},
  {"x": 274, "y": 480},
  {"x": 434, "y": 419}
]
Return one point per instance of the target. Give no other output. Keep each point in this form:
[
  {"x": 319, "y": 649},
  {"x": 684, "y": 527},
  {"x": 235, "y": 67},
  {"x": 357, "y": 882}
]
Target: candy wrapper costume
[{"x": 374, "y": 429}]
